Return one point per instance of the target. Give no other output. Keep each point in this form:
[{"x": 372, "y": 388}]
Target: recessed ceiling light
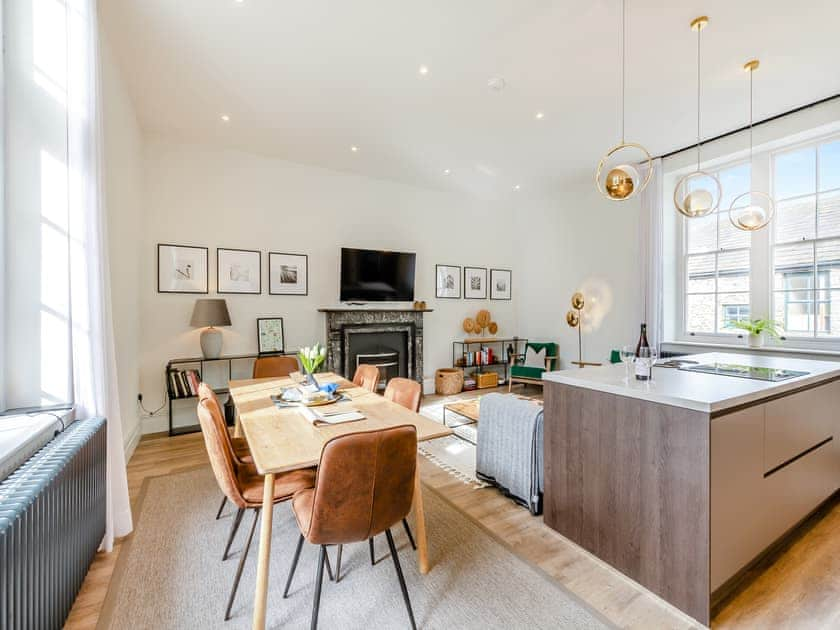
[
  {"x": 539, "y": 116},
  {"x": 225, "y": 118},
  {"x": 446, "y": 171},
  {"x": 516, "y": 187},
  {"x": 354, "y": 149},
  {"x": 497, "y": 84},
  {"x": 424, "y": 70}
]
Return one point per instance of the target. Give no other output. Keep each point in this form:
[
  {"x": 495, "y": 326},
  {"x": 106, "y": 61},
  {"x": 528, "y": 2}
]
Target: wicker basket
[{"x": 449, "y": 381}]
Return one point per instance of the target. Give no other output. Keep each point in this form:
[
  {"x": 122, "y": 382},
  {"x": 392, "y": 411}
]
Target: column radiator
[{"x": 52, "y": 519}]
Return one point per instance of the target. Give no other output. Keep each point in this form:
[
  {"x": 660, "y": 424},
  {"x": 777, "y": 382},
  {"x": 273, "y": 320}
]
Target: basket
[
  {"x": 449, "y": 381},
  {"x": 487, "y": 379}
]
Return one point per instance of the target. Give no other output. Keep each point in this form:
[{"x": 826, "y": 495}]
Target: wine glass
[{"x": 627, "y": 354}]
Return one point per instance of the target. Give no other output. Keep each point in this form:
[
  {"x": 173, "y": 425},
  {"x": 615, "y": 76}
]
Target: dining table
[{"x": 281, "y": 438}]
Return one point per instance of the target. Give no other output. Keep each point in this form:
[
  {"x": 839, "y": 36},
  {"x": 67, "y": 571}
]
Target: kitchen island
[{"x": 683, "y": 481}]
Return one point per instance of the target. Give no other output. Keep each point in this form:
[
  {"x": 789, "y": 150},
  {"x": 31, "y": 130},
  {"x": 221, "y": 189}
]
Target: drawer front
[{"x": 795, "y": 423}]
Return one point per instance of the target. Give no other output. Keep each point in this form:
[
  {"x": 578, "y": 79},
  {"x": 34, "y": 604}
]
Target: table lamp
[{"x": 206, "y": 314}]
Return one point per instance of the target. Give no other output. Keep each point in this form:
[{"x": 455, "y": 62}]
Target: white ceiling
[{"x": 306, "y": 80}]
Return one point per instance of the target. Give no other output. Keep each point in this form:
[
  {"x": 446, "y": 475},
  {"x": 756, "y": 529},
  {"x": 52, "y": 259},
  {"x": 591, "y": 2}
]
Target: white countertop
[{"x": 693, "y": 390}]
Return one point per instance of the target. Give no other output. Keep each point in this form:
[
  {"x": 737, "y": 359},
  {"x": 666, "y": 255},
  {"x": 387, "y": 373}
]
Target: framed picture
[
  {"x": 270, "y": 335},
  {"x": 181, "y": 269},
  {"x": 288, "y": 274},
  {"x": 448, "y": 281},
  {"x": 475, "y": 283},
  {"x": 238, "y": 271},
  {"x": 500, "y": 284}
]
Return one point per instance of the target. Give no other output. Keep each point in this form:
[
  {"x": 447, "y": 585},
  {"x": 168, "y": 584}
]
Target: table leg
[
  {"x": 420, "y": 525},
  {"x": 265, "y": 553},
  {"x": 237, "y": 426}
]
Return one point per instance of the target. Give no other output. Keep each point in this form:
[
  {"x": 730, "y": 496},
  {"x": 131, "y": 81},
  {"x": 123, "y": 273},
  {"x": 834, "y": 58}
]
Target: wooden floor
[{"x": 799, "y": 589}]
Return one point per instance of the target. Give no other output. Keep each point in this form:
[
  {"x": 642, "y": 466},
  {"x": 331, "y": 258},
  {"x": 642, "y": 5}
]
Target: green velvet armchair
[{"x": 526, "y": 374}]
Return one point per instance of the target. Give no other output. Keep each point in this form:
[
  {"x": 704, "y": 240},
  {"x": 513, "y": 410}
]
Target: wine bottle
[{"x": 642, "y": 367}]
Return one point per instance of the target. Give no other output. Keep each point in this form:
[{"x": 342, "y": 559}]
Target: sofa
[{"x": 509, "y": 450}]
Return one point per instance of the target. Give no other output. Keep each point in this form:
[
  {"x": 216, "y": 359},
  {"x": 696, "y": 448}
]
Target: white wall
[
  {"x": 579, "y": 241},
  {"x": 123, "y": 150},
  {"x": 220, "y": 198}
]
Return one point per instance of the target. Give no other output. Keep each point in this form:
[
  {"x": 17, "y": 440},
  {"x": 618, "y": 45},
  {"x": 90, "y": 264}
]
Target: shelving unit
[{"x": 463, "y": 349}]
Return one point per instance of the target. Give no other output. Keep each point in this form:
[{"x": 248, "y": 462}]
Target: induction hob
[{"x": 744, "y": 371}]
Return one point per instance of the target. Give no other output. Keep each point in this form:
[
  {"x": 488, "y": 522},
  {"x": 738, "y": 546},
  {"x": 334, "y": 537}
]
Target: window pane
[
  {"x": 731, "y": 237},
  {"x": 792, "y": 259},
  {"x": 701, "y": 274},
  {"x": 702, "y": 234},
  {"x": 830, "y": 165},
  {"x": 700, "y": 313},
  {"x": 734, "y": 271},
  {"x": 794, "y": 310},
  {"x": 828, "y": 264},
  {"x": 828, "y": 314},
  {"x": 796, "y": 220},
  {"x": 828, "y": 222},
  {"x": 795, "y": 173},
  {"x": 728, "y": 305},
  {"x": 734, "y": 181}
]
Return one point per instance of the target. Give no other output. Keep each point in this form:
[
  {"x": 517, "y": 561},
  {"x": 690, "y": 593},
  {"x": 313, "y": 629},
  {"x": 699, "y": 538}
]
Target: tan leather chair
[
  {"x": 275, "y": 367},
  {"x": 366, "y": 376},
  {"x": 365, "y": 485},
  {"x": 240, "y": 483},
  {"x": 405, "y": 392}
]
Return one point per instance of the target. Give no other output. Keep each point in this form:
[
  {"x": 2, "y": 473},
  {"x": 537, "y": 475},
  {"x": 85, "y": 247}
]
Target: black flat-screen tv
[{"x": 375, "y": 276}]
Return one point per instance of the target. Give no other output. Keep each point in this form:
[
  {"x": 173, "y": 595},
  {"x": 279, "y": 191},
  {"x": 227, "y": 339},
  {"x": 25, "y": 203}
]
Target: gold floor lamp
[{"x": 573, "y": 319}]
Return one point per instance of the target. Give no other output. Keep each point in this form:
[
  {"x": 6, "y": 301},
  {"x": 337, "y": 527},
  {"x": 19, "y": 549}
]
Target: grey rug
[{"x": 170, "y": 574}]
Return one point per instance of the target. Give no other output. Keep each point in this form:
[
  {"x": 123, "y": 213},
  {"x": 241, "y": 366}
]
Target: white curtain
[
  {"x": 94, "y": 365},
  {"x": 650, "y": 245}
]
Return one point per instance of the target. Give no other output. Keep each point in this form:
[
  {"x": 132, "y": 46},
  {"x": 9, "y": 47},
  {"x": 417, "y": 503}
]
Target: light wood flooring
[{"x": 798, "y": 589}]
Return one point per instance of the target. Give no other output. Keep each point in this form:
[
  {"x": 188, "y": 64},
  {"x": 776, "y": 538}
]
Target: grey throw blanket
[{"x": 509, "y": 451}]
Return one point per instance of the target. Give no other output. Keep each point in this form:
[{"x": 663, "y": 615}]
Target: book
[{"x": 334, "y": 416}]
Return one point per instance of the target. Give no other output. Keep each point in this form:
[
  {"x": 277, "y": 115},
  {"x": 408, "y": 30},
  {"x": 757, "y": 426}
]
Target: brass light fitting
[{"x": 573, "y": 319}]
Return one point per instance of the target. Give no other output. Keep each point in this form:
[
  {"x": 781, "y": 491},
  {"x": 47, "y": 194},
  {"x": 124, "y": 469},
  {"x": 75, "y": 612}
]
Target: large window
[
  {"x": 717, "y": 262},
  {"x": 806, "y": 240}
]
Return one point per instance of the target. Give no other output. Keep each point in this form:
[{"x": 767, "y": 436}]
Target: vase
[
  {"x": 755, "y": 340},
  {"x": 310, "y": 378}
]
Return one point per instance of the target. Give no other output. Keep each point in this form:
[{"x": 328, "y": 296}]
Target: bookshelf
[{"x": 464, "y": 355}]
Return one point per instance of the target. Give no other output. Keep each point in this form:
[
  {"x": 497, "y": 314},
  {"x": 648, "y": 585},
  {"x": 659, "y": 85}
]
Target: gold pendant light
[
  {"x": 753, "y": 210},
  {"x": 698, "y": 193},
  {"x": 616, "y": 178}
]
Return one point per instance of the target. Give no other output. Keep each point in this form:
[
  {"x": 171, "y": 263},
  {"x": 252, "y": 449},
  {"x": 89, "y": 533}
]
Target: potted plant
[
  {"x": 311, "y": 358},
  {"x": 756, "y": 329}
]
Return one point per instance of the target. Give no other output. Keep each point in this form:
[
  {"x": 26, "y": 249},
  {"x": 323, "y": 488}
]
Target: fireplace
[{"x": 391, "y": 339}]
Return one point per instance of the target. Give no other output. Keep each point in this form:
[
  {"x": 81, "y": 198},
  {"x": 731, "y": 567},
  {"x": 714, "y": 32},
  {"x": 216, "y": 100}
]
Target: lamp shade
[{"x": 210, "y": 312}]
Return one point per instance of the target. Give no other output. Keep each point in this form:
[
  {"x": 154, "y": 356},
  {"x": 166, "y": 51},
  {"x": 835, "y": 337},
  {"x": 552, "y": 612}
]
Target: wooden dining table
[{"x": 282, "y": 439}]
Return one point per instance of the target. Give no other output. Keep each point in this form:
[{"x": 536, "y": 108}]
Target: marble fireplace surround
[{"x": 342, "y": 322}]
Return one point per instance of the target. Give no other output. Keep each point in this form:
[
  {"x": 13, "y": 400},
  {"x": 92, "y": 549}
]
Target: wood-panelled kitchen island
[{"x": 683, "y": 481}]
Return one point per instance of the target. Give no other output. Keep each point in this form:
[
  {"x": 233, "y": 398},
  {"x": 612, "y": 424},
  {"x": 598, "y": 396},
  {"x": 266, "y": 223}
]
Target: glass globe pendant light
[
  {"x": 616, "y": 178},
  {"x": 698, "y": 193},
  {"x": 752, "y": 210}
]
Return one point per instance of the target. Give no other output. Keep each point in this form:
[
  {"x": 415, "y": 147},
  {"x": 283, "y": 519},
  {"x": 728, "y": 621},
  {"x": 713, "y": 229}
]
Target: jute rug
[{"x": 170, "y": 574}]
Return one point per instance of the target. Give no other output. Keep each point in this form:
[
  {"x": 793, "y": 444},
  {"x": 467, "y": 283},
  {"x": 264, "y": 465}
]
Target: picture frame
[
  {"x": 500, "y": 284},
  {"x": 288, "y": 274},
  {"x": 475, "y": 283},
  {"x": 182, "y": 268},
  {"x": 238, "y": 271},
  {"x": 270, "y": 336},
  {"x": 448, "y": 282}
]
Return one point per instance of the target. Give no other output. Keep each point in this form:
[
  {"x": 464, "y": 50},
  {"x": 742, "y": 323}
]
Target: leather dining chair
[
  {"x": 367, "y": 377},
  {"x": 241, "y": 483},
  {"x": 239, "y": 446},
  {"x": 405, "y": 392},
  {"x": 364, "y": 486},
  {"x": 275, "y": 367}
]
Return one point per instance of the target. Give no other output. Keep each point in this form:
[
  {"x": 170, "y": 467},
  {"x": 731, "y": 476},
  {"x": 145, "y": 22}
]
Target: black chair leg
[
  {"x": 294, "y": 566},
  {"x": 221, "y": 507},
  {"x": 242, "y": 563},
  {"x": 329, "y": 568},
  {"x": 338, "y": 564},
  {"x": 372, "y": 560},
  {"x": 233, "y": 529},
  {"x": 319, "y": 579},
  {"x": 400, "y": 577},
  {"x": 410, "y": 537}
]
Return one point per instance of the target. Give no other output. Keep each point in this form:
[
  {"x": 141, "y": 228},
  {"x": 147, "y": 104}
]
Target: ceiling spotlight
[
  {"x": 424, "y": 70},
  {"x": 539, "y": 116},
  {"x": 446, "y": 171},
  {"x": 225, "y": 118},
  {"x": 354, "y": 149},
  {"x": 497, "y": 84},
  {"x": 516, "y": 187}
]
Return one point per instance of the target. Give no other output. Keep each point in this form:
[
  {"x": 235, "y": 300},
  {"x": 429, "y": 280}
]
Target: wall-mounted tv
[{"x": 376, "y": 276}]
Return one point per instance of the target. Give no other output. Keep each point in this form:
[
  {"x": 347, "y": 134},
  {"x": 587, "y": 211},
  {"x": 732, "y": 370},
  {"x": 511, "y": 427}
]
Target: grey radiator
[{"x": 52, "y": 519}]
